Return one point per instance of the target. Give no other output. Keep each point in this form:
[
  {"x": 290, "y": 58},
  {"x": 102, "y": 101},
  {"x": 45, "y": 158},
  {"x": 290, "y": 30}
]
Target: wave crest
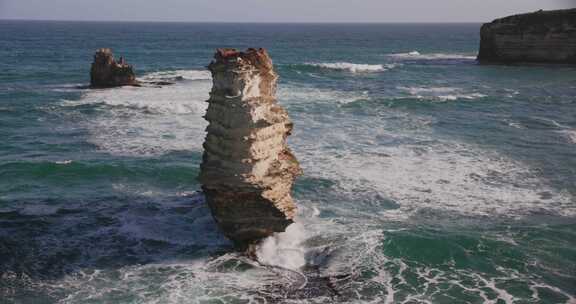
[
  {"x": 177, "y": 75},
  {"x": 415, "y": 55},
  {"x": 440, "y": 93},
  {"x": 354, "y": 67}
]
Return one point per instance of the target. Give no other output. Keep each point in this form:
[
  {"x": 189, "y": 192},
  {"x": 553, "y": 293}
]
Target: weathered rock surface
[
  {"x": 542, "y": 36},
  {"x": 247, "y": 169},
  {"x": 106, "y": 72}
]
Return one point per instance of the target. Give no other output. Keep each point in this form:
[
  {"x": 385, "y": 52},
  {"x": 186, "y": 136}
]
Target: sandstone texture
[
  {"x": 107, "y": 72},
  {"x": 247, "y": 169},
  {"x": 540, "y": 37}
]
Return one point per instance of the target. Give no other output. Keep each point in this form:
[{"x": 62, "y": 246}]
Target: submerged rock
[
  {"x": 107, "y": 72},
  {"x": 541, "y": 37},
  {"x": 247, "y": 169}
]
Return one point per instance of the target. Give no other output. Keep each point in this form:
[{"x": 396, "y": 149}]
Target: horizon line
[{"x": 247, "y": 22}]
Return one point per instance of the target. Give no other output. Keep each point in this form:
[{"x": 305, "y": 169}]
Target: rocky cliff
[
  {"x": 542, "y": 36},
  {"x": 247, "y": 169},
  {"x": 107, "y": 72}
]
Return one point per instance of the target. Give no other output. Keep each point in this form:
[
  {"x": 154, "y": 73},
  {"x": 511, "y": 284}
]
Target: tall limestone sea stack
[
  {"x": 106, "y": 72},
  {"x": 540, "y": 37},
  {"x": 247, "y": 169}
]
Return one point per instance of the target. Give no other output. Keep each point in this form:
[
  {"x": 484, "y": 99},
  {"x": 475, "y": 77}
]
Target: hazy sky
[{"x": 274, "y": 10}]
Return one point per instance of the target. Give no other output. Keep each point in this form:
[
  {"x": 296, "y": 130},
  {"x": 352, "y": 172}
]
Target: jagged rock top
[
  {"x": 107, "y": 72},
  {"x": 256, "y": 58},
  {"x": 246, "y": 75},
  {"x": 542, "y": 36}
]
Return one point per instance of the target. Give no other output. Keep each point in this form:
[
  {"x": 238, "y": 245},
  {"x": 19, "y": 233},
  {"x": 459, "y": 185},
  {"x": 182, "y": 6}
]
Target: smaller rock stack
[
  {"x": 247, "y": 169},
  {"x": 106, "y": 72},
  {"x": 539, "y": 37}
]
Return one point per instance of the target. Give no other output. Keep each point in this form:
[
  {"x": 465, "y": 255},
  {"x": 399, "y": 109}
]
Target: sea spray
[{"x": 284, "y": 249}]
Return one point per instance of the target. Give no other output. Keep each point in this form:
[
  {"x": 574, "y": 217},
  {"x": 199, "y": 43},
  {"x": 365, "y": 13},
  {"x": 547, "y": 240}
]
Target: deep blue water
[{"x": 428, "y": 178}]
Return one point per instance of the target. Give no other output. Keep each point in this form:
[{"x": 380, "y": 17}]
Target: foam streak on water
[
  {"x": 441, "y": 93},
  {"x": 415, "y": 55},
  {"x": 354, "y": 67},
  {"x": 150, "y": 120},
  {"x": 425, "y": 172}
]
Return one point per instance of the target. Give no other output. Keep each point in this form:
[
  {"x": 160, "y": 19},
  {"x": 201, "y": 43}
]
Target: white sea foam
[
  {"x": 415, "y": 55},
  {"x": 514, "y": 124},
  {"x": 148, "y": 120},
  {"x": 441, "y": 93},
  {"x": 63, "y": 162},
  {"x": 70, "y": 87},
  {"x": 175, "y": 99},
  {"x": 284, "y": 249},
  {"x": 354, "y": 67},
  {"x": 361, "y": 249},
  {"x": 421, "y": 171},
  {"x": 178, "y": 74},
  {"x": 414, "y": 167},
  {"x": 570, "y": 134},
  {"x": 434, "y": 90}
]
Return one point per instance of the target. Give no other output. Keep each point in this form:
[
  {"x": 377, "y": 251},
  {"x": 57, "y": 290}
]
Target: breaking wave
[
  {"x": 176, "y": 75},
  {"x": 148, "y": 120},
  {"x": 431, "y": 56},
  {"x": 440, "y": 93},
  {"x": 354, "y": 67},
  {"x": 284, "y": 249},
  {"x": 570, "y": 135}
]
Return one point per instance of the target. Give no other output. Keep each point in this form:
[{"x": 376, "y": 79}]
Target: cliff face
[
  {"x": 543, "y": 36},
  {"x": 107, "y": 72},
  {"x": 247, "y": 169}
]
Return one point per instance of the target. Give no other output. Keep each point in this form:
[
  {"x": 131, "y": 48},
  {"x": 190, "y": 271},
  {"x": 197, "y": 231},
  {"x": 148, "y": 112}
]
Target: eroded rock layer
[
  {"x": 106, "y": 72},
  {"x": 543, "y": 36},
  {"x": 247, "y": 169}
]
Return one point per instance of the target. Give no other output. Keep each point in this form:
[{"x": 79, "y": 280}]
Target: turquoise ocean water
[{"x": 428, "y": 178}]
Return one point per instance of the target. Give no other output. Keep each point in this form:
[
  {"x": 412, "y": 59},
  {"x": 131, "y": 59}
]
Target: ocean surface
[{"x": 428, "y": 178}]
